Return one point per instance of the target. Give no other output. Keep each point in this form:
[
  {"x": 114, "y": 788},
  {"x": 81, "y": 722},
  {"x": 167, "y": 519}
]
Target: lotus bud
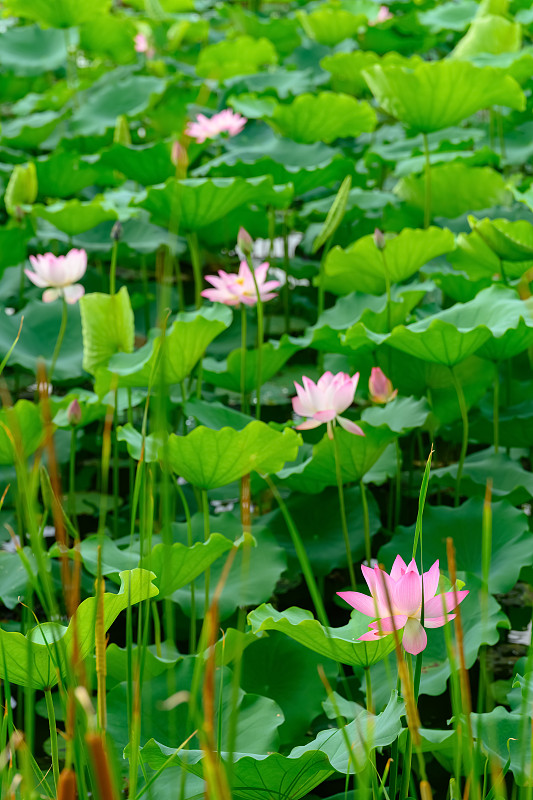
[
  {"x": 21, "y": 189},
  {"x": 245, "y": 242},
  {"x": 116, "y": 231},
  {"x": 121, "y": 133},
  {"x": 379, "y": 239},
  {"x": 74, "y": 413},
  {"x": 180, "y": 159},
  {"x": 380, "y": 387}
]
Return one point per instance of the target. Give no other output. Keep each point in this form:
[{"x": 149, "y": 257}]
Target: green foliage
[
  {"x": 107, "y": 327},
  {"x": 323, "y": 118}
]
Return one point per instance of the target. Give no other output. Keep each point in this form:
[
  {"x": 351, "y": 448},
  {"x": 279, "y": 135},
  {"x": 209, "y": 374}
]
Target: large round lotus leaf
[
  {"x": 64, "y": 174},
  {"x": 511, "y": 548},
  {"x": 330, "y": 26},
  {"x": 347, "y": 68},
  {"x": 209, "y": 459},
  {"x": 357, "y": 455},
  {"x": 186, "y": 340},
  {"x": 511, "y": 241},
  {"x": 339, "y": 644},
  {"x": 31, "y": 130},
  {"x": 489, "y": 34},
  {"x": 361, "y": 267},
  {"x": 112, "y": 36},
  {"x": 518, "y": 65},
  {"x": 241, "y": 56},
  {"x": 450, "y": 16},
  {"x": 455, "y": 189},
  {"x": 452, "y": 335},
  {"x": 146, "y": 164},
  {"x": 108, "y": 327},
  {"x": 61, "y": 14},
  {"x": 288, "y": 777},
  {"x": 74, "y": 216},
  {"x": 227, "y": 374},
  {"x": 282, "y": 31},
  {"x": 479, "y": 262},
  {"x": 323, "y": 117},
  {"x": 32, "y": 51},
  {"x": 461, "y": 89},
  {"x": 197, "y": 202},
  {"x": 21, "y": 431}
]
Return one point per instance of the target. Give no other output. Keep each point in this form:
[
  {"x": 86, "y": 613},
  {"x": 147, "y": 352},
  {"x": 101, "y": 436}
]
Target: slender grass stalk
[
  {"x": 342, "y": 508},
  {"x": 427, "y": 183},
  {"x": 113, "y": 268},
  {"x": 464, "y": 415},
  {"x": 398, "y": 484},
  {"x": 53, "y": 735},
  {"x": 321, "y": 278},
  {"x": 60, "y": 337},
  {"x": 190, "y": 542},
  {"x": 366, "y": 522},
  {"x": 72, "y": 479},
  {"x": 285, "y": 288},
  {"x": 194, "y": 250}
]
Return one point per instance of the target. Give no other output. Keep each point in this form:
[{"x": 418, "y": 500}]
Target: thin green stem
[
  {"x": 496, "y": 410},
  {"x": 72, "y": 480},
  {"x": 260, "y": 335},
  {"x": 113, "y": 269},
  {"x": 342, "y": 508},
  {"x": 427, "y": 183},
  {"x": 321, "y": 279},
  {"x": 464, "y": 415},
  {"x": 190, "y": 542},
  {"x": 366, "y": 522},
  {"x": 53, "y": 735},
  {"x": 368, "y": 685},
  {"x": 243, "y": 359},
  {"x": 207, "y": 533},
  {"x": 398, "y": 503},
  {"x": 388, "y": 290},
  {"x": 194, "y": 250},
  {"x": 60, "y": 337}
]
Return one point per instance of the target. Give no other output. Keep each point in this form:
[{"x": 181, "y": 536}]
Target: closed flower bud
[
  {"x": 116, "y": 231},
  {"x": 180, "y": 159},
  {"x": 245, "y": 242},
  {"x": 380, "y": 387},
  {"x": 379, "y": 239},
  {"x": 74, "y": 413}
]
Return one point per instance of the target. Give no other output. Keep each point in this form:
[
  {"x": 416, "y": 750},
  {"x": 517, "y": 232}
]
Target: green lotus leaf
[
  {"x": 112, "y": 36},
  {"x": 358, "y": 202},
  {"x": 506, "y": 739},
  {"x": 117, "y": 93},
  {"x": 357, "y": 455},
  {"x": 29, "y": 131},
  {"x": 75, "y": 216},
  {"x": 64, "y": 174},
  {"x": 323, "y": 117},
  {"x": 31, "y": 51},
  {"x": 108, "y": 327},
  {"x": 21, "y": 431},
  {"x": 64, "y": 14},
  {"x": 147, "y": 164},
  {"x": 282, "y": 31},
  {"x": 368, "y": 730},
  {"x": 518, "y": 65},
  {"x": 510, "y": 241},
  {"x": 35, "y": 659},
  {"x": 339, "y": 644},
  {"x": 408, "y": 94},
  {"x": 216, "y": 415},
  {"x": 450, "y": 16},
  {"x": 195, "y": 203},
  {"x": 227, "y": 374},
  {"x": 455, "y": 189},
  {"x": 474, "y": 257},
  {"x": 452, "y": 335},
  {"x": 243, "y": 55},
  {"x": 489, "y": 34},
  {"x": 361, "y": 266},
  {"x": 330, "y": 26},
  {"x": 401, "y": 414},
  {"x": 289, "y": 777},
  {"x": 346, "y": 69},
  {"x": 209, "y": 459},
  {"x": 177, "y": 565},
  {"x": 511, "y": 543},
  {"x": 147, "y": 446},
  {"x": 171, "y": 361}
]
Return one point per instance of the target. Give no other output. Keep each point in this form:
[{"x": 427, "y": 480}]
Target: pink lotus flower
[
  {"x": 383, "y": 15},
  {"x": 233, "y": 289},
  {"x": 325, "y": 401},
  {"x": 61, "y": 273},
  {"x": 380, "y": 387},
  {"x": 396, "y": 603},
  {"x": 142, "y": 45},
  {"x": 210, "y": 127}
]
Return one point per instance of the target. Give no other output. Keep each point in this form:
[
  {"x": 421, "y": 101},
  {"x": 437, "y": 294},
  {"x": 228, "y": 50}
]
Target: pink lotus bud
[
  {"x": 180, "y": 159},
  {"x": 395, "y": 603},
  {"x": 245, "y": 242},
  {"x": 380, "y": 387},
  {"x": 379, "y": 239},
  {"x": 74, "y": 413}
]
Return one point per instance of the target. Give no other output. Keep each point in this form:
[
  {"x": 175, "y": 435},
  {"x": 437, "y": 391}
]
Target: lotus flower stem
[
  {"x": 260, "y": 335},
  {"x": 388, "y": 290},
  {"x": 72, "y": 480},
  {"x": 398, "y": 498},
  {"x": 464, "y": 445},
  {"x": 190, "y": 542},
  {"x": 496, "y": 410},
  {"x": 285, "y": 288},
  {"x": 366, "y": 523},
  {"x": 243, "y": 359},
  {"x": 194, "y": 250},
  {"x": 61, "y": 336},
  {"x": 53, "y": 734},
  {"x": 113, "y": 268},
  {"x": 427, "y": 183},
  {"x": 342, "y": 508},
  {"x": 207, "y": 533}
]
